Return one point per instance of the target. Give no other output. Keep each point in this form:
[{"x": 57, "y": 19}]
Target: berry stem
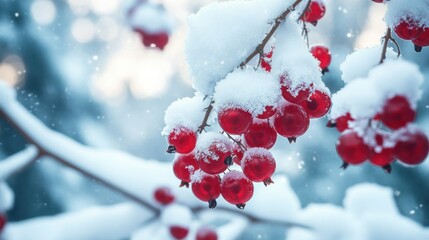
[
  {"x": 277, "y": 22},
  {"x": 206, "y": 118},
  {"x": 386, "y": 38},
  {"x": 239, "y": 143}
]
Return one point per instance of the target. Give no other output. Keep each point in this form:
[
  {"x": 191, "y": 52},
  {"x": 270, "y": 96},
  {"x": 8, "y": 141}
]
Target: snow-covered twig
[{"x": 17, "y": 162}]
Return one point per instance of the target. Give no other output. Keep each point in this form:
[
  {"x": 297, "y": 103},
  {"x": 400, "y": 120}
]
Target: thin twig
[
  {"x": 386, "y": 38},
  {"x": 277, "y": 22},
  {"x": 239, "y": 143},
  {"x": 206, "y": 118}
]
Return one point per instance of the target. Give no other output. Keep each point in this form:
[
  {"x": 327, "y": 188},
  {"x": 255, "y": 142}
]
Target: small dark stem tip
[
  {"x": 325, "y": 70},
  {"x": 331, "y": 124},
  {"x": 344, "y": 166},
  {"x": 241, "y": 206},
  {"x": 387, "y": 168},
  {"x": 171, "y": 149},
  {"x": 417, "y": 48},
  {"x": 291, "y": 139},
  {"x": 268, "y": 181},
  {"x": 184, "y": 184},
  {"x": 228, "y": 161},
  {"x": 212, "y": 203}
]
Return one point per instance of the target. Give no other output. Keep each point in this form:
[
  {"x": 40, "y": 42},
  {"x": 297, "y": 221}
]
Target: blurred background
[{"x": 80, "y": 68}]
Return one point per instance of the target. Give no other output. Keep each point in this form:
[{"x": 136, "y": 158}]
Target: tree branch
[{"x": 386, "y": 38}]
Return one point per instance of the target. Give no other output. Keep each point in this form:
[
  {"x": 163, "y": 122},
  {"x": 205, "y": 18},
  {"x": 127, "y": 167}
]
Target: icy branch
[{"x": 17, "y": 162}]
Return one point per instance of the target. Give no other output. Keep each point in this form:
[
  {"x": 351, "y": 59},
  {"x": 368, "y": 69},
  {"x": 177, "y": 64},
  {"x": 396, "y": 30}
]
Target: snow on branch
[
  {"x": 112, "y": 222},
  {"x": 18, "y": 161}
]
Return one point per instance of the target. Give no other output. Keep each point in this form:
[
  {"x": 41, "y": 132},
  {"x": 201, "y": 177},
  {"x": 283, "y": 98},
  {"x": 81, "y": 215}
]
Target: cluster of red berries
[
  {"x": 410, "y": 29},
  {"x": 164, "y": 196},
  {"x": 157, "y": 39},
  {"x": 404, "y": 142},
  {"x": 315, "y": 11},
  {"x": 3, "y": 222}
]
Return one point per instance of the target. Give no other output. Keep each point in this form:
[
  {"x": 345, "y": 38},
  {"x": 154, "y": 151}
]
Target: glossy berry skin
[
  {"x": 258, "y": 164},
  {"x": 179, "y": 232},
  {"x": 206, "y": 233},
  {"x": 184, "y": 166},
  {"x": 315, "y": 12},
  {"x": 397, "y": 112},
  {"x": 164, "y": 195},
  {"x": 342, "y": 123},
  {"x": 206, "y": 187},
  {"x": 3, "y": 222},
  {"x": 412, "y": 147},
  {"x": 183, "y": 139},
  {"x": 267, "y": 113},
  {"x": 157, "y": 40},
  {"x": 378, "y": 1},
  {"x": 237, "y": 154},
  {"x": 379, "y": 154},
  {"x": 407, "y": 29},
  {"x": 291, "y": 120},
  {"x": 302, "y": 94},
  {"x": 213, "y": 160},
  {"x": 317, "y": 105},
  {"x": 322, "y": 54},
  {"x": 352, "y": 148},
  {"x": 261, "y": 134},
  {"x": 422, "y": 39},
  {"x": 234, "y": 120},
  {"x": 236, "y": 188}
]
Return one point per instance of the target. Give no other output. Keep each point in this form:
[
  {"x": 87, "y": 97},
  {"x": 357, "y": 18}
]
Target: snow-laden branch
[
  {"x": 137, "y": 179},
  {"x": 6, "y": 197},
  {"x": 112, "y": 222},
  {"x": 17, "y": 162}
]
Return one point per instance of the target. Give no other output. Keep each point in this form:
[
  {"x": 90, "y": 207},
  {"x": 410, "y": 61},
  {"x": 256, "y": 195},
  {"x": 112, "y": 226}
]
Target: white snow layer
[
  {"x": 402, "y": 9},
  {"x": 359, "y": 63},
  {"x": 291, "y": 56},
  {"x": 176, "y": 215},
  {"x": 112, "y": 222},
  {"x": 369, "y": 213},
  {"x": 364, "y": 97},
  {"x": 186, "y": 112},
  {"x": 219, "y": 37},
  {"x": 16, "y": 162},
  {"x": 6, "y": 197},
  {"x": 247, "y": 89},
  {"x": 151, "y": 17}
]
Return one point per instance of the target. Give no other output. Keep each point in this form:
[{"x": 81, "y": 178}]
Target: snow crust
[
  {"x": 6, "y": 197},
  {"x": 403, "y": 9},
  {"x": 205, "y": 152},
  {"x": 247, "y": 89},
  {"x": 17, "y": 161},
  {"x": 216, "y": 45},
  {"x": 186, "y": 112},
  {"x": 364, "y": 97},
  {"x": 359, "y": 63},
  {"x": 151, "y": 17},
  {"x": 176, "y": 215}
]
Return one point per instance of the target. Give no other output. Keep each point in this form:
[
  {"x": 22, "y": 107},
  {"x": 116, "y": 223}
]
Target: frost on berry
[
  {"x": 213, "y": 152},
  {"x": 411, "y": 145},
  {"x": 261, "y": 134},
  {"x": 184, "y": 166},
  {"x": 206, "y": 187},
  {"x": 397, "y": 112},
  {"x": 291, "y": 120},
  {"x": 323, "y": 55},
  {"x": 258, "y": 165},
  {"x": 248, "y": 90},
  {"x": 164, "y": 195},
  {"x": 316, "y": 10},
  {"x": 317, "y": 105},
  {"x": 236, "y": 188},
  {"x": 181, "y": 140}
]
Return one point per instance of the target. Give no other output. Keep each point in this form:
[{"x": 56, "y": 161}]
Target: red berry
[
  {"x": 422, "y": 39},
  {"x": 163, "y": 195},
  {"x": 234, "y": 120},
  {"x": 182, "y": 139},
  {"x": 266, "y": 65},
  {"x": 206, "y": 233},
  {"x": 412, "y": 147},
  {"x": 158, "y": 40},
  {"x": 291, "y": 120},
  {"x": 184, "y": 166},
  {"x": 408, "y": 29},
  {"x": 261, "y": 134},
  {"x": 258, "y": 165},
  {"x": 237, "y": 154},
  {"x": 322, "y": 54},
  {"x": 267, "y": 113},
  {"x": 397, "y": 112},
  {"x": 236, "y": 188},
  {"x": 179, "y": 232},
  {"x": 214, "y": 153},
  {"x": 342, "y": 123},
  {"x": 378, "y": 1},
  {"x": 317, "y": 105},
  {"x": 315, "y": 12},
  {"x": 380, "y": 154},
  {"x": 352, "y": 148},
  {"x": 206, "y": 187},
  {"x": 3, "y": 222},
  {"x": 298, "y": 96}
]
